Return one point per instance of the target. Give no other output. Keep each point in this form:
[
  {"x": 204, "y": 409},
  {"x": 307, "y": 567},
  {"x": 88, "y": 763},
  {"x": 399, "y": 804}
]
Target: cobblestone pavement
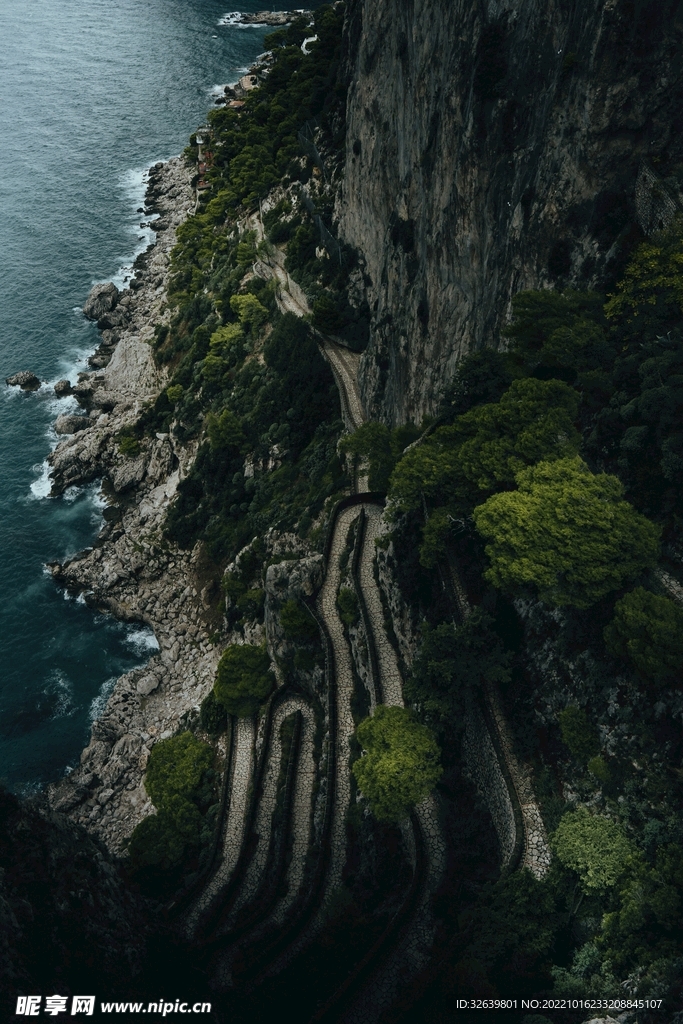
[
  {"x": 233, "y": 832},
  {"x": 345, "y": 369},
  {"x": 413, "y": 949},
  {"x": 390, "y": 676},
  {"x": 536, "y": 855},
  {"x": 327, "y": 605},
  {"x": 302, "y": 810},
  {"x": 255, "y": 872}
]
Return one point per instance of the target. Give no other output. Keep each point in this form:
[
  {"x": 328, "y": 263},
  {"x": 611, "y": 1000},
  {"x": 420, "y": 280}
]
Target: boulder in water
[
  {"x": 63, "y": 388},
  {"x": 25, "y": 380},
  {"x": 101, "y": 300}
]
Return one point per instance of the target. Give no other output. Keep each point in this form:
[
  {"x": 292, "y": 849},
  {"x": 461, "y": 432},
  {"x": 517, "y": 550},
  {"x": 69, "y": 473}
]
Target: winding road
[{"x": 256, "y": 891}]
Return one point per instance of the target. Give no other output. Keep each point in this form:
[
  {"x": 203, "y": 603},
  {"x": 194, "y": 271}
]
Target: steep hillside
[{"x": 493, "y": 147}]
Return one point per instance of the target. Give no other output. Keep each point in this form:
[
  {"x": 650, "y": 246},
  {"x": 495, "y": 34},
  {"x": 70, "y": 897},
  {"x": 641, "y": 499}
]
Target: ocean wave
[
  {"x": 60, "y": 693},
  {"x": 41, "y": 487},
  {"x": 142, "y": 640},
  {"x": 99, "y": 703},
  {"x": 233, "y": 18}
]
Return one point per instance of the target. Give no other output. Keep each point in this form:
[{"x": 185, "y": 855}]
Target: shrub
[
  {"x": 648, "y": 629},
  {"x": 594, "y": 847},
  {"x": 452, "y": 663},
  {"x": 176, "y": 767},
  {"x": 244, "y": 679},
  {"x": 174, "y": 393},
  {"x": 129, "y": 446},
  {"x": 566, "y": 531},
  {"x": 579, "y": 733},
  {"x": 401, "y": 762},
  {"x": 347, "y": 603},
  {"x": 213, "y": 717},
  {"x": 163, "y": 839},
  {"x": 298, "y": 624}
]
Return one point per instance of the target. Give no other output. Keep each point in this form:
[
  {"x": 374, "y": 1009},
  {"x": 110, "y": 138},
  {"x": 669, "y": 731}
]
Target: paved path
[{"x": 233, "y": 829}]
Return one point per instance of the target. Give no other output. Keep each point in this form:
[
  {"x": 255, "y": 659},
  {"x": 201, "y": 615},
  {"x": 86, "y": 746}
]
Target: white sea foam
[
  {"x": 41, "y": 487},
  {"x": 99, "y": 703},
  {"x": 142, "y": 640},
  {"x": 60, "y": 687}
]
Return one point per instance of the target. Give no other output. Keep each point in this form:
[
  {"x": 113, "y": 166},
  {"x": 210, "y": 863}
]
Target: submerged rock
[
  {"x": 102, "y": 299},
  {"x": 25, "y": 380}
]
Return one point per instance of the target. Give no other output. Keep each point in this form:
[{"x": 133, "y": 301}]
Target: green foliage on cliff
[
  {"x": 648, "y": 629},
  {"x": 579, "y": 734},
  {"x": 244, "y": 679},
  {"x": 567, "y": 532},
  {"x": 594, "y": 847},
  {"x": 298, "y": 624},
  {"x": 176, "y": 767},
  {"x": 179, "y": 781},
  {"x": 400, "y": 764},
  {"x": 450, "y": 667},
  {"x": 380, "y": 447}
]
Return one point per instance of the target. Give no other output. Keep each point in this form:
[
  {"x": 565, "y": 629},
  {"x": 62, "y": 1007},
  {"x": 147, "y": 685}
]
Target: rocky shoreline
[{"x": 130, "y": 570}]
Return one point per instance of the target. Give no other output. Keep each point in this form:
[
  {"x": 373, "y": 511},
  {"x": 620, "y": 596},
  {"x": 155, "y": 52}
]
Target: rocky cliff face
[{"x": 495, "y": 146}]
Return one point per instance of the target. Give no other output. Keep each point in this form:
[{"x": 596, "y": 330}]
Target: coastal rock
[
  {"x": 271, "y": 17},
  {"x": 147, "y": 685},
  {"x": 71, "y": 424},
  {"x": 63, "y": 388},
  {"x": 102, "y": 299},
  {"x": 286, "y": 580},
  {"x": 129, "y": 473},
  {"x": 115, "y": 318},
  {"x": 25, "y": 380}
]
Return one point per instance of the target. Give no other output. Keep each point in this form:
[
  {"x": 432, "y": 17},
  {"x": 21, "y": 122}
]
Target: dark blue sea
[{"x": 91, "y": 93}]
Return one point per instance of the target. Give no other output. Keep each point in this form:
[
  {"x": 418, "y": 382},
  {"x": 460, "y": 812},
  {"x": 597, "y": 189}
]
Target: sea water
[{"x": 91, "y": 93}]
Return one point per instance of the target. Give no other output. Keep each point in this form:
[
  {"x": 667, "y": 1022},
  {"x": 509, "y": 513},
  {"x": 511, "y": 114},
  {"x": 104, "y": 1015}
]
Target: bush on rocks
[
  {"x": 401, "y": 762},
  {"x": 244, "y": 679}
]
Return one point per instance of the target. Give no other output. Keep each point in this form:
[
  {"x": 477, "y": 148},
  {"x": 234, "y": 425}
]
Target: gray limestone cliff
[{"x": 495, "y": 146}]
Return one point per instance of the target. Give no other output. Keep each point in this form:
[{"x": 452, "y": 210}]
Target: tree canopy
[
  {"x": 567, "y": 532},
  {"x": 648, "y": 629},
  {"x": 400, "y": 764},
  {"x": 451, "y": 663},
  {"x": 579, "y": 733},
  {"x": 244, "y": 679},
  {"x": 593, "y": 846},
  {"x": 175, "y": 768}
]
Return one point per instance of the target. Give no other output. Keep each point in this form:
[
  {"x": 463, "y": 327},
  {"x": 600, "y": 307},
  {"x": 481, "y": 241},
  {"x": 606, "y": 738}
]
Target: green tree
[
  {"x": 244, "y": 679},
  {"x": 648, "y": 629},
  {"x": 381, "y": 447},
  {"x": 593, "y": 846},
  {"x": 649, "y": 298},
  {"x": 176, "y": 767},
  {"x": 451, "y": 664},
  {"x": 162, "y": 840},
  {"x": 532, "y": 421},
  {"x": 579, "y": 733},
  {"x": 249, "y": 310},
  {"x": 400, "y": 764},
  {"x": 567, "y": 532},
  {"x": 347, "y": 603},
  {"x": 559, "y": 330},
  {"x": 298, "y": 623},
  {"x": 224, "y": 431}
]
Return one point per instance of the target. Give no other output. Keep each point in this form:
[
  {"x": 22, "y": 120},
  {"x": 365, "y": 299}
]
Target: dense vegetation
[
  {"x": 247, "y": 381},
  {"x": 553, "y": 475},
  {"x": 180, "y": 782},
  {"x": 400, "y": 762},
  {"x": 562, "y": 454}
]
